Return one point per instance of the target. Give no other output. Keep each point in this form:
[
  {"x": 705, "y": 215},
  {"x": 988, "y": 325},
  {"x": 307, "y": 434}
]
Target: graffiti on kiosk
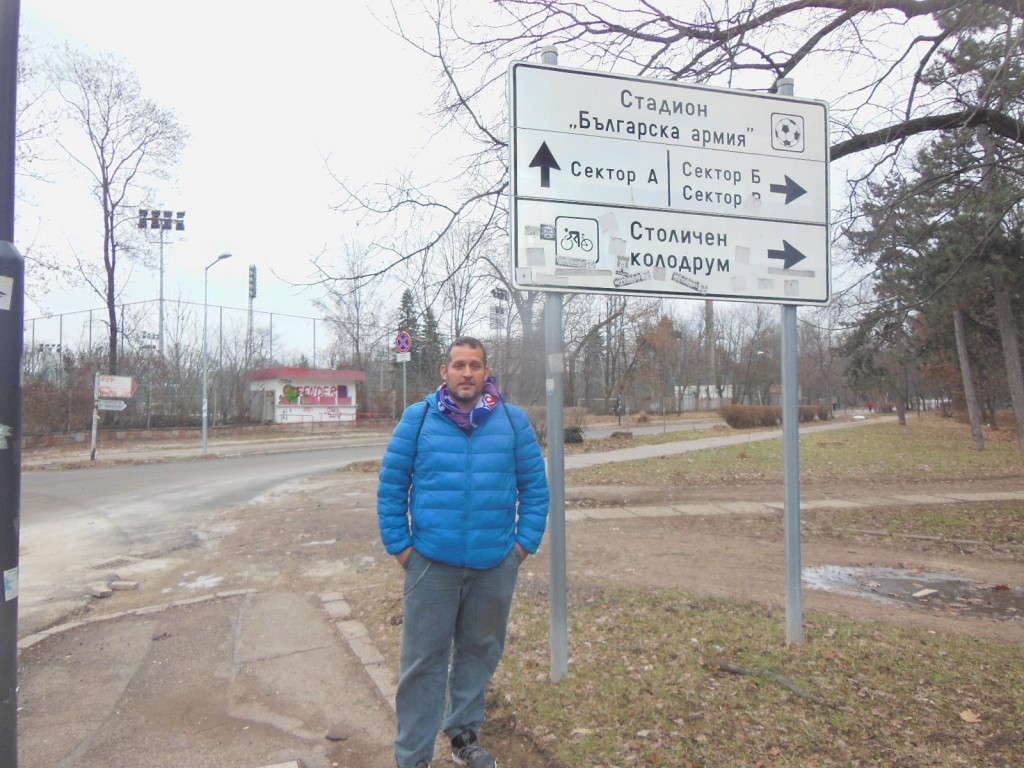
[
  {"x": 313, "y": 394},
  {"x": 307, "y": 414}
]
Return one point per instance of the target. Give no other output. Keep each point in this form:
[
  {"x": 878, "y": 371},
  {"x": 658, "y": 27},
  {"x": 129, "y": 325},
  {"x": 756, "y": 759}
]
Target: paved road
[{"x": 75, "y": 520}]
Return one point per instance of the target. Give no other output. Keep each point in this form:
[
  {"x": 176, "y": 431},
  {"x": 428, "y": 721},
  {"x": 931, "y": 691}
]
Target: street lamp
[{"x": 206, "y": 289}]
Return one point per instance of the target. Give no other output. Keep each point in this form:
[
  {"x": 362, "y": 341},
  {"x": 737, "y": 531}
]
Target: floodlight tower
[
  {"x": 248, "y": 331},
  {"x": 162, "y": 221}
]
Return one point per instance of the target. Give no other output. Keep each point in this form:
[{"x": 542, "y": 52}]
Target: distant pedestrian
[
  {"x": 871, "y": 407},
  {"x": 462, "y": 501}
]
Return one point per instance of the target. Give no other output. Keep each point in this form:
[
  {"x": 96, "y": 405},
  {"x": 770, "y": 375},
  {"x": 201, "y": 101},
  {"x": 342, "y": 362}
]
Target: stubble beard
[{"x": 468, "y": 401}]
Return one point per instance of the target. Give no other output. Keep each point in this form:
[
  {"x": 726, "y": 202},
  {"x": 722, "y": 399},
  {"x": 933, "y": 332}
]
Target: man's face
[{"x": 465, "y": 374}]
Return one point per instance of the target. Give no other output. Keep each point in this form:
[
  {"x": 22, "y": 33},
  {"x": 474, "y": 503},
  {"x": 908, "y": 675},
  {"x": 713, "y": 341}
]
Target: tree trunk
[
  {"x": 901, "y": 395},
  {"x": 1011, "y": 356},
  {"x": 970, "y": 394}
]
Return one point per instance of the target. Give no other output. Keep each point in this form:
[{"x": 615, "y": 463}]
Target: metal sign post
[
  {"x": 554, "y": 349},
  {"x": 106, "y": 394},
  {"x": 403, "y": 353},
  {"x": 12, "y": 318},
  {"x": 791, "y": 461}
]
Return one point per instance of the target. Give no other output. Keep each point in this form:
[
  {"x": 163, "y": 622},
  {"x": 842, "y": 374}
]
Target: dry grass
[
  {"x": 646, "y": 688},
  {"x": 927, "y": 449}
]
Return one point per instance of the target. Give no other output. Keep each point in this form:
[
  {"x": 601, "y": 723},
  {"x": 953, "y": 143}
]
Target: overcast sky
[{"x": 266, "y": 91}]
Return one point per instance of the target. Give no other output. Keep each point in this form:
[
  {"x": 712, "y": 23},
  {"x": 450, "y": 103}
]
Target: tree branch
[{"x": 999, "y": 123}]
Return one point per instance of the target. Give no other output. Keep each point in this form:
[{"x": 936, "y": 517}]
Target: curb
[
  {"x": 357, "y": 637},
  {"x": 29, "y": 640}
]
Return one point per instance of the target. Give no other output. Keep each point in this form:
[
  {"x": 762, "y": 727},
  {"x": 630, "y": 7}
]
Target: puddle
[{"x": 939, "y": 592}]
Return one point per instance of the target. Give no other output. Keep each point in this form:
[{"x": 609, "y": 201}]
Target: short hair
[{"x": 467, "y": 341}]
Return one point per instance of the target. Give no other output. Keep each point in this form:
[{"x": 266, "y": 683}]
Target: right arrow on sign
[
  {"x": 790, "y": 189},
  {"x": 788, "y": 254},
  {"x": 545, "y": 161}
]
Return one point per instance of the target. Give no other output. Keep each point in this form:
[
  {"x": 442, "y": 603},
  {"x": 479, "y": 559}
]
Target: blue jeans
[{"x": 453, "y": 636}]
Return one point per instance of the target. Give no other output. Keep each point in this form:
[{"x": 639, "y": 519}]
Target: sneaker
[{"x": 466, "y": 750}]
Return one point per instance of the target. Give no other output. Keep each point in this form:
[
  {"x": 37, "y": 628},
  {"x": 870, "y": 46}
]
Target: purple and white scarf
[{"x": 467, "y": 421}]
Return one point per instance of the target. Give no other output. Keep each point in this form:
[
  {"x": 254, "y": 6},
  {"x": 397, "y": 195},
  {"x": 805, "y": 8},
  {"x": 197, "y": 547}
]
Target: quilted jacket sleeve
[
  {"x": 532, "y": 483},
  {"x": 395, "y": 481}
]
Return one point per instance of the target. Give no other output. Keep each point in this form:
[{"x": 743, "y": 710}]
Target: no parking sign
[{"x": 403, "y": 342}]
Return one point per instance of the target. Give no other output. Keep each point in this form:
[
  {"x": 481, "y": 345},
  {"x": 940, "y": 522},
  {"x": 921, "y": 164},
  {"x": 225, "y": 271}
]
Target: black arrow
[
  {"x": 788, "y": 254},
  {"x": 545, "y": 161},
  {"x": 791, "y": 189}
]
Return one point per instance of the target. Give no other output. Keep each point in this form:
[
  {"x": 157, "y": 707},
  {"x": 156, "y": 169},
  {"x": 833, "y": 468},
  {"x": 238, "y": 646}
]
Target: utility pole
[{"x": 12, "y": 323}]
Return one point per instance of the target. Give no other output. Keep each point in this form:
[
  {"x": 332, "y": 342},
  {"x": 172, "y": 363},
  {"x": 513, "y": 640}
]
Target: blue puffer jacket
[{"x": 472, "y": 498}]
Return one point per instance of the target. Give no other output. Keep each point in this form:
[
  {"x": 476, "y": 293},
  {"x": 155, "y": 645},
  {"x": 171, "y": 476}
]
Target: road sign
[
  {"x": 115, "y": 386},
  {"x": 630, "y": 185},
  {"x": 104, "y": 404},
  {"x": 403, "y": 341},
  {"x": 403, "y": 357}
]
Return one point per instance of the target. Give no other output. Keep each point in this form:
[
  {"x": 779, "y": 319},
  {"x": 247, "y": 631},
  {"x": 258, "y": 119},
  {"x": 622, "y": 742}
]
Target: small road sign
[
  {"x": 403, "y": 341},
  {"x": 105, "y": 404},
  {"x": 115, "y": 386}
]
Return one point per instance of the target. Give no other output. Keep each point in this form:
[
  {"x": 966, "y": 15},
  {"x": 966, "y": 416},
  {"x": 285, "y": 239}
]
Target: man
[{"x": 462, "y": 501}]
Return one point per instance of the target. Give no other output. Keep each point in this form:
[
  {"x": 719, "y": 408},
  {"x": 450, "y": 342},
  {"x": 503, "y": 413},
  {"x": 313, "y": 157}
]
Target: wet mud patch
[{"x": 930, "y": 591}]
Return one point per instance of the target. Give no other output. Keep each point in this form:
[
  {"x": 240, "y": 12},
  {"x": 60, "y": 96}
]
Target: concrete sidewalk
[{"x": 239, "y": 679}]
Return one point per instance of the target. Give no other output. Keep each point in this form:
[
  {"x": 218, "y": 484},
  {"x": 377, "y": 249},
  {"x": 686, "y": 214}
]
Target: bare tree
[
  {"x": 32, "y": 122},
  {"x": 463, "y": 277},
  {"x": 119, "y": 139},
  {"x": 354, "y": 308}
]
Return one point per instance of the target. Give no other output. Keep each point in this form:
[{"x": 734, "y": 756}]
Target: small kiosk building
[{"x": 299, "y": 395}]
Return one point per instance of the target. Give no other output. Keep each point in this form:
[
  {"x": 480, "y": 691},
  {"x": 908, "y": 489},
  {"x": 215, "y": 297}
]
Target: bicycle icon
[
  {"x": 576, "y": 240},
  {"x": 573, "y": 238}
]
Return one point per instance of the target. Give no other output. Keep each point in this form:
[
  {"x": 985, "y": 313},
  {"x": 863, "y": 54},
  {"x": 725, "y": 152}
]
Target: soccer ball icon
[{"x": 788, "y": 133}]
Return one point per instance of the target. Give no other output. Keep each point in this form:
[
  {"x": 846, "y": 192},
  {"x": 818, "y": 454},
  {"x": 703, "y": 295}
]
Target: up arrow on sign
[{"x": 545, "y": 161}]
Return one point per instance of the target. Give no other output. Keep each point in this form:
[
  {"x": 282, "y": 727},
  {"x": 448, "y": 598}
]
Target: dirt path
[{"x": 321, "y": 535}]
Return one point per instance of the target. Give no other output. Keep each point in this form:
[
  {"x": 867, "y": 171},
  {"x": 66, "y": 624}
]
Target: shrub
[
  {"x": 815, "y": 413},
  {"x": 750, "y": 416},
  {"x": 642, "y": 418},
  {"x": 538, "y": 416},
  {"x": 574, "y": 421}
]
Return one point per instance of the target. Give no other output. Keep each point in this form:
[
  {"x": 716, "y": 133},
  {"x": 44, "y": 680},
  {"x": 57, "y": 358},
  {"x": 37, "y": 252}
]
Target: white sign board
[
  {"x": 115, "y": 386},
  {"x": 105, "y": 404},
  {"x": 648, "y": 187}
]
